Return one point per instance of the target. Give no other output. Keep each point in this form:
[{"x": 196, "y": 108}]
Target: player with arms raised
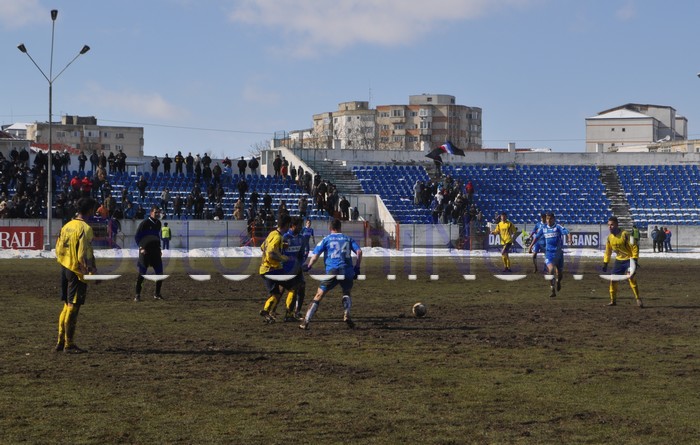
[
  {"x": 337, "y": 249},
  {"x": 626, "y": 256}
]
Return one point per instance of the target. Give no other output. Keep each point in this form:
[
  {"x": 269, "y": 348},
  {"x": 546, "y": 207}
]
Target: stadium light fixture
[{"x": 50, "y": 79}]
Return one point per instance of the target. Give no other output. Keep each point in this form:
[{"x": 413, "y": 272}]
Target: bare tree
[{"x": 257, "y": 148}]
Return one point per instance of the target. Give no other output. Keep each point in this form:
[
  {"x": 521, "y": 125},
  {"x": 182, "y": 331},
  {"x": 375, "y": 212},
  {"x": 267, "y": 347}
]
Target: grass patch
[{"x": 493, "y": 362}]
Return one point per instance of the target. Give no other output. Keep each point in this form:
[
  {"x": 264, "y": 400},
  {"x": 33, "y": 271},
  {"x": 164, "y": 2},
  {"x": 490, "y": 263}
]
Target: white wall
[
  {"x": 365, "y": 157},
  {"x": 221, "y": 234}
]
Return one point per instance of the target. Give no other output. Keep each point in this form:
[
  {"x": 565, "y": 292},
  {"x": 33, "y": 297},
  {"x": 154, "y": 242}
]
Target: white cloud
[
  {"x": 141, "y": 104},
  {"x": 311, "y": 26},
  {"x": 16, "y": 14},
  {"x": 627, "y": 11}
]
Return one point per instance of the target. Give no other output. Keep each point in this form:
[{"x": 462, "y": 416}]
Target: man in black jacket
[
  {"x": 166, "y": 164},
  {"x": 242, "y": 188},
  {"x": 155, "y": 163},
  {"x": 242, "y": 164},
  {"x": 277, "y": 166},
  {"x": 148, "y": 239},
  {"x": 253, "y": 165}
]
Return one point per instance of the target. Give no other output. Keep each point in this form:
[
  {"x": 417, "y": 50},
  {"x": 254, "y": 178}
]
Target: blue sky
[{"x": 221, "y": 76}]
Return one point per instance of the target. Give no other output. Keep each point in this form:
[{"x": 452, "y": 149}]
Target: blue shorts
[
  {"x": 621, "y": 267},
  {"x": 537, "y": 248},
  {"x": 345, "y": 284},
  {"x": 554, "y": 258}
]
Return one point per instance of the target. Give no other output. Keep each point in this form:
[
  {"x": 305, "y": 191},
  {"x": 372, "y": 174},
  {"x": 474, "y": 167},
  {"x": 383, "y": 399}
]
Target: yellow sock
[
  {"x": 635, "y": 288},
  {"x": 271, "y": 303},
  {"x": 62, "y": 324},
  {"x": 613, "y": 291},
  {"x": 290, "y": 301},
  {"x": 507, "y": 261},
  {"x": 71, "y": 322}
]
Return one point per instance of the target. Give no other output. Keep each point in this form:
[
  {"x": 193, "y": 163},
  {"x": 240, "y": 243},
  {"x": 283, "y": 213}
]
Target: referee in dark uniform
[{"x": 148, "y": 239}]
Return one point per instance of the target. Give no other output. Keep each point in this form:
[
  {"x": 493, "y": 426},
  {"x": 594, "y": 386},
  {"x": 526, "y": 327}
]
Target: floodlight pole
[{"x": 50, "y": 79}]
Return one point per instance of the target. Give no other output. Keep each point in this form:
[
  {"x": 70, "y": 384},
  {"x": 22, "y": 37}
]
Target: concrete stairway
[
  {"x": 618, "y": 200},
  {"x": 335, "y": 172}
]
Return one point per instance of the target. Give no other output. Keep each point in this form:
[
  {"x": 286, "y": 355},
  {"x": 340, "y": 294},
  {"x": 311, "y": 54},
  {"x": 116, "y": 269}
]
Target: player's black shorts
[
  {"x": 76, "y": 289},
  {"x": 150, "y": 260},
  {"x": 274, "y": 287}
]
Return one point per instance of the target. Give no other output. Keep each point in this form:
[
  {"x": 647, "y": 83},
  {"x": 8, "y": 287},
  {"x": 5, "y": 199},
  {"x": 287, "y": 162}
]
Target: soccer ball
[{"x": 419, "y": 310}]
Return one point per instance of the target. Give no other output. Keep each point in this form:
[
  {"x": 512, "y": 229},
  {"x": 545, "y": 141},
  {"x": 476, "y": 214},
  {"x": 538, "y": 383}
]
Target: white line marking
[
  {"x": 615, "y": 277},
  {"x": 322, "y": 277},
  {"x": 510, "y": 277},
  {"x": 280, "y": 277},
  {"x": 100, "y": 277},
  {"x": 156, "y": 277},
  {"x": 236, "y": 277},
  {"x": 201, "y": 277}
]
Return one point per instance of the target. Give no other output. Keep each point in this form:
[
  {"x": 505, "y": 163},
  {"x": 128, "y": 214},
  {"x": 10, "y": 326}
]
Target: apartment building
[
  {"x": 82, "y": 133},
  {"x": 427, "y": 121}
]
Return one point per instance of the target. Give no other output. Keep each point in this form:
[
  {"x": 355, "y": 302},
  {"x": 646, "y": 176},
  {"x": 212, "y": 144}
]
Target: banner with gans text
[
  {"x": 21, "y": 238},
  {"x": 585, "y": 240}
]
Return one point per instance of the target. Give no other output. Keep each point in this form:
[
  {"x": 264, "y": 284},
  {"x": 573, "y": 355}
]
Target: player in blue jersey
[
  {"x": 296, "y": 250},
  {"x": 308, "y": 233},
  {"x": 540, "y": 246},
  {"x": 554, "y": 236},
  {"x": 337, "y": 250}
]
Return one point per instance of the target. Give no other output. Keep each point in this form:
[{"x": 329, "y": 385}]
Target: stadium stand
[
  {"x": 394, "y": 184},
  {"x": 655, "y": 195},
  {"x": 664, "y": 194},
  {"x": 181, "y": 185},
  {"x": 574, "y": 193}
]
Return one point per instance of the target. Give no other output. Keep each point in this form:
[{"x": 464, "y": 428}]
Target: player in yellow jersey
[
  {"x": 75, "y": 255},
  {"x": 505, "y": 229},
  {"x": 273, "y": 259},
  {"x": 626, "y": 256}
]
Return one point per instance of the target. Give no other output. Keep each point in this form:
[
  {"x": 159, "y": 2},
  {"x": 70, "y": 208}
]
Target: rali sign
[{"x": 30, "y": 238}]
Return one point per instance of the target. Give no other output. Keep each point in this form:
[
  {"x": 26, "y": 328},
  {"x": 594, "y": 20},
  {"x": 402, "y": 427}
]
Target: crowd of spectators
[
  {"x": 450, "y": 201},
  {"x": 23, "y": 183},
  {"x": 28, "y": 179}
]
